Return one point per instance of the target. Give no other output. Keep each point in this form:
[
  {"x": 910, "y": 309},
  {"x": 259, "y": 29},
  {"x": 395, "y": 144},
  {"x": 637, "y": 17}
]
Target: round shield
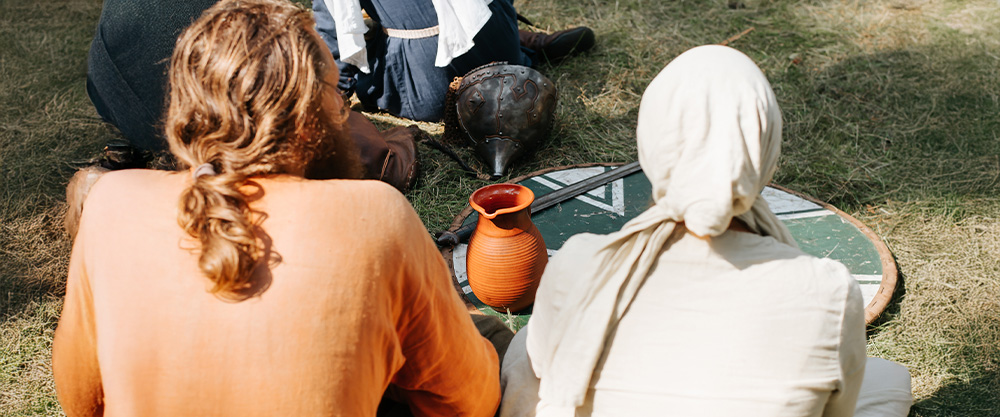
[{"x": 820, "y": 230}]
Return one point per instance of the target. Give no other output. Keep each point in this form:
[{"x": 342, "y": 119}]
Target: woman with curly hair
[{"x": 237, "y": 286}]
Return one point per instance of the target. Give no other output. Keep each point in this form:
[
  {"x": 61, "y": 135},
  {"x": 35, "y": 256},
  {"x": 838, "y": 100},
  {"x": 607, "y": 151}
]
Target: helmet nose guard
[{"x": 498, "y": 153}]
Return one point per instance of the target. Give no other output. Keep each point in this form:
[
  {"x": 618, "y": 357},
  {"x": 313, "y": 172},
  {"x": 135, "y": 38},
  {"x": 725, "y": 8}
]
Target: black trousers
[{"x": 127, "y": 64}]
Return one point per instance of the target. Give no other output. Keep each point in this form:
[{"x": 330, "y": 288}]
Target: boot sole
[{"x": 569, "y": 43}]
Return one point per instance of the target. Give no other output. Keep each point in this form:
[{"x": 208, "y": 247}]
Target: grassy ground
[{"x": 891, "y": 113}]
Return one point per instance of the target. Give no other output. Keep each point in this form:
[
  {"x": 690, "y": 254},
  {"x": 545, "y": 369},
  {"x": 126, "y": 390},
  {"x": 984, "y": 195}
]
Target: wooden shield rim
[
  {"x": 890, "y": 271},
  {"x": 874, "y": 309}
]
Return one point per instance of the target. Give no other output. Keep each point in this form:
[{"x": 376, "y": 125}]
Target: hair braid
[{"x": 244, "y": 89}]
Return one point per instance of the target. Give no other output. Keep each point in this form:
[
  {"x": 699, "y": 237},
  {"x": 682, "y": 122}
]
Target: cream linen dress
[
  {"x": 677, "y": 314},
  {"x": 737, "y": 326},
  {"x": 740, "y": 325}
]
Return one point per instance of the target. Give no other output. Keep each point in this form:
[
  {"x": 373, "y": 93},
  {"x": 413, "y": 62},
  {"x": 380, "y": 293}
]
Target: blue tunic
[{"x": 403, "y": 79}]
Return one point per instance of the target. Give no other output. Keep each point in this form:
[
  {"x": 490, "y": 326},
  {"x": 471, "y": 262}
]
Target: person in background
[
  {"x": 237, "y": 287},
  {"x": 127, "y": 83},
  {"x": 702, "y": 305},
  {"x": 402, "y": 60}
]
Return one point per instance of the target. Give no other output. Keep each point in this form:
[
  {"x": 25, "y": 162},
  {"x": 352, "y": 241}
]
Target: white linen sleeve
[
  {"x": 350, "y": 32},
  {"x": 518, "y": 382},
  {"x": 459, "y": 22},
  {"x": 852, "y": 348}
]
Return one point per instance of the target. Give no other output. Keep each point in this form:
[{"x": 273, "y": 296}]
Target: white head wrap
[{"x": 709, "y": 136}]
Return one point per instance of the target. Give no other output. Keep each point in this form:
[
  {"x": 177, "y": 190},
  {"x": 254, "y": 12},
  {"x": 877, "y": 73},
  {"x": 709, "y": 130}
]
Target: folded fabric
[{"x": 458, "y": 21}]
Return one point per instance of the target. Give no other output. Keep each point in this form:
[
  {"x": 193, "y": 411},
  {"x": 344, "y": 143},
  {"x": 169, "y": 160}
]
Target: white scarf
[
  {"x": 709, "y": 136},
  {"x": 459, "y": 21}
]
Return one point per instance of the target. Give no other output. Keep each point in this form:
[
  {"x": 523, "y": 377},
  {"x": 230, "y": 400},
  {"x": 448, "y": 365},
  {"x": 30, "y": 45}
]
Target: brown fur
[{"x": 76, "y": 193}]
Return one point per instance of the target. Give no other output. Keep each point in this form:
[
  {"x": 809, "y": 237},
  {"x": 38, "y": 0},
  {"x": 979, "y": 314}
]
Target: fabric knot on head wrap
[
  {"x": 709, "y": 136},
  {"x": 203, "y": 169}
]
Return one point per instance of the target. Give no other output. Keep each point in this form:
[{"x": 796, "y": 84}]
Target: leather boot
[
  {"x": 557, "y": 46},
  {"x": 389, "y": 156},
  {"x": 401, "y": 165}
]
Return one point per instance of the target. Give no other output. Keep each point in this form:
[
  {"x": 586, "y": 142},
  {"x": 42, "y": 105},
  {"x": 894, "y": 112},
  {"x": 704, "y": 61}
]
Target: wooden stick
[{"x": 736, "y": 36}]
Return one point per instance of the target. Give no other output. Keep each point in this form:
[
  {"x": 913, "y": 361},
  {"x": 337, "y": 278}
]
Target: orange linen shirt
[{"x": 359, "y": 300}]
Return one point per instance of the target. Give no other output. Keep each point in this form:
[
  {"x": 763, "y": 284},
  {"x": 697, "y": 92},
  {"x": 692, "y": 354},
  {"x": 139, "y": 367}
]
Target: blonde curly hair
[{"x": 246, "y": 83}]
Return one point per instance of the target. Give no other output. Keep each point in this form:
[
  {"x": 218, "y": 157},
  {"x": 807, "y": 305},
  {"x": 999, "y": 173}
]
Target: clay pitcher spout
[{"x": 506, "y": 255}]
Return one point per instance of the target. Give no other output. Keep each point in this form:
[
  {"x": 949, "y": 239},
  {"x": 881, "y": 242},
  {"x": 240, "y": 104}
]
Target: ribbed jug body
[{"x": 506, "y": 255}]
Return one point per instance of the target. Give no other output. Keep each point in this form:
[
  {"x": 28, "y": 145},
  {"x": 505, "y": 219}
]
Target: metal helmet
[{"x": 505, "y": 111}]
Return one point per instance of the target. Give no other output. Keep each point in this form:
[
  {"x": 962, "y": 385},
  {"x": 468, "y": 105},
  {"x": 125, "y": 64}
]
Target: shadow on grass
[
  {"x": 973, "y": 397},
  {"x": 34, "y": 246},
  {"x": 904, "y": 124},
  {"x": 913, "y": 129},
  {"x": 34, "y": 261}
]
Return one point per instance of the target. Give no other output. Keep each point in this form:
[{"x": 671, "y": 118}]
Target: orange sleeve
[
  {"x": 74, "y": 350},
  {"x": 450, "y": 368}
]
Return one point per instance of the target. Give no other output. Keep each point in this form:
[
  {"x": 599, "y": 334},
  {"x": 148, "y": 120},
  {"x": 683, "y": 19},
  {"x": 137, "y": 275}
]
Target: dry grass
[
  {"x": 948, "y": 326},
  {"x": 890, "y": 113},
  {"x": 36, "y": 247},
  {"x": 26, "y": 386}
]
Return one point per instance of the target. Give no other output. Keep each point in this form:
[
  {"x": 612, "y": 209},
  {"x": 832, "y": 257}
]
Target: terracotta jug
[{"x": 506, "y": 255}]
